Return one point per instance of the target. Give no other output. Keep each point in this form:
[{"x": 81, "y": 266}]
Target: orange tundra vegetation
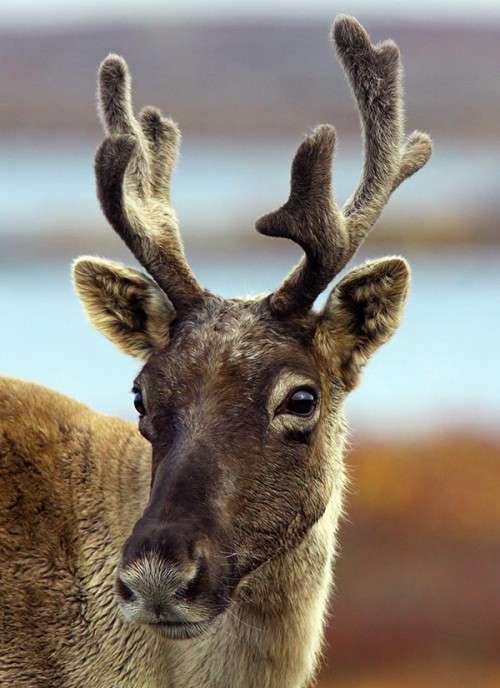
[{"x": 418, "y": 596}]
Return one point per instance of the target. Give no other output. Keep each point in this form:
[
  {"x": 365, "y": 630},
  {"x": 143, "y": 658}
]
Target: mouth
[{"x": 181, "y": 631}]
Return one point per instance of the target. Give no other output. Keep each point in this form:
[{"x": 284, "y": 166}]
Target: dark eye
[
  {"x": 301, "y": 402},
  {"x": 138, "y": 403}
]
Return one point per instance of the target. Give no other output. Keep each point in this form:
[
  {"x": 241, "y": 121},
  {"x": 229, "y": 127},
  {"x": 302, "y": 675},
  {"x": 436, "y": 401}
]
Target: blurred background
[{"x": 417, "y": 599}]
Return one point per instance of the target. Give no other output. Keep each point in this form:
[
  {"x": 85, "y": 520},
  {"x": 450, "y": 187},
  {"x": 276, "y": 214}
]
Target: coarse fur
[
  {"x": 73, "y": 484},
  {"x": 198, "y": 551}
]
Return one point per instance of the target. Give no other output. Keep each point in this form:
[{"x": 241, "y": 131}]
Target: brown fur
[
  {"x": 311, "y": 217},
  {"x": 72, "y": 483},
  {"x": 220, "y": 522}
]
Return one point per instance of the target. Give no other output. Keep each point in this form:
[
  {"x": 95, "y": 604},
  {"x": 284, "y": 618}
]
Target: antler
[
  {"x": 311, "y": 218},
  {"x": 133, "y": 169}
]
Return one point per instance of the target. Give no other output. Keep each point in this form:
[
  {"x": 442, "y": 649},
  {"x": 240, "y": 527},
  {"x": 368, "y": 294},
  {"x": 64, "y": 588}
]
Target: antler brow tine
[
  {"x": 133, "y": 169},
  {"x": 311, "y": 217}
]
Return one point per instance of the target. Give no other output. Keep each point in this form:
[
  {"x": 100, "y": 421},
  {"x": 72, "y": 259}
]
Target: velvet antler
[
  {"x": 133, "y": 169},
  {"x": 330, "y": 236}
]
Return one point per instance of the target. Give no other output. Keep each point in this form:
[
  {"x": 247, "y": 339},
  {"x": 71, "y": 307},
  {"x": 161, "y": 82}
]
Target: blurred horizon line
[
  {"x": 60, "y": 16},
  {"x": 269, "y": 77},
  {"x": 487, "y": 22}
]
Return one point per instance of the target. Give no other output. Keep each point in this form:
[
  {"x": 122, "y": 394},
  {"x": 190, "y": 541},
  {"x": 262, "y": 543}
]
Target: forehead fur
[{"x": 236, "y": 334}]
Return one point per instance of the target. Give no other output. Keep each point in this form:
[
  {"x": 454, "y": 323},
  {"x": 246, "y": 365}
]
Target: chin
[{"x": 182, "y": 631}]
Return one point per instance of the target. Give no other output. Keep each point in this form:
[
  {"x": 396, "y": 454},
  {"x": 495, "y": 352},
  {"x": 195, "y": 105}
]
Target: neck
[{"x": 271, "y": 635}]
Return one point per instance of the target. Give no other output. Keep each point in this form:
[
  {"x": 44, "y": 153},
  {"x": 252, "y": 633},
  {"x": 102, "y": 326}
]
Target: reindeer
[{"x": 214, "y": 526}]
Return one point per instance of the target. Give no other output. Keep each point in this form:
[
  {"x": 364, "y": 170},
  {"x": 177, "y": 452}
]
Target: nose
[
  {"x": 157, "y": 586},
  {"x": 163, "y": 569},
  {"x": 153, "y": 607}
]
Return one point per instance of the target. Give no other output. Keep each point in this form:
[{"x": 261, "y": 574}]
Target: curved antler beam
[
  {"x": 310, "y": 217},
  {"x": 133, "y": 169}
]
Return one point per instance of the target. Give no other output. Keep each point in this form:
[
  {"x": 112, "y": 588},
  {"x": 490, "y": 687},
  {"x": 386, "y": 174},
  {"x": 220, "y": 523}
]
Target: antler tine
[
  {"x": 374, "y": 73},
  {"x": 133, "y": 169},
  {"x": 416, "y": 152},
  {"x": 311, "y": 217}
]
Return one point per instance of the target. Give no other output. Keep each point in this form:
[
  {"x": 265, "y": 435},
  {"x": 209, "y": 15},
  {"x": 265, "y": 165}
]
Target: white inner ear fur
[
  {"x": 124, "y": 304},
  {"x": 362, "y": 312},
  {"x": 285, "y": 382}
]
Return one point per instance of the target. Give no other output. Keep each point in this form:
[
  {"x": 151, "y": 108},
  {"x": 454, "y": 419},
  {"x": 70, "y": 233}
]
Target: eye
[
  {"x": 301, "y": 402},
  {"x": 138, "y": 403}
]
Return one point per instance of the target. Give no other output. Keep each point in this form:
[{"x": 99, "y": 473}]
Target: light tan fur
[
  {"x": 137, "y": 316},
  {"x": 376, "y": 289},
  {"x": 73, "y": 482},
  {"x": 221, "y": 527}
]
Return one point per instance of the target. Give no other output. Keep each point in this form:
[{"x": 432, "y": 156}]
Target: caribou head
[{"x": 241, "y": 399}]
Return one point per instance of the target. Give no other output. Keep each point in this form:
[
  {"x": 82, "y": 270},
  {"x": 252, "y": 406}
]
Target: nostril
[
  {"x": 192, "y": 586},
  {"x": 124, "y": 591}
]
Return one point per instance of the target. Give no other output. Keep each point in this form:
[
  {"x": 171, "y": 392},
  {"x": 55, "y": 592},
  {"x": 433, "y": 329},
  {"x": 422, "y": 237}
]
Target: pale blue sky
[{"x": 51, "y": 12}]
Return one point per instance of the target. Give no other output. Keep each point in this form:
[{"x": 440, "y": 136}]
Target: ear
[
  {"x": 126, "y": 306},
  {"x": 362, "y": 312}
]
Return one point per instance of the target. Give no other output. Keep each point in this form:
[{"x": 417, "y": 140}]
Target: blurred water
[
  {"x": 48, "y": 185},
  {"x": 441, "y": 368}
]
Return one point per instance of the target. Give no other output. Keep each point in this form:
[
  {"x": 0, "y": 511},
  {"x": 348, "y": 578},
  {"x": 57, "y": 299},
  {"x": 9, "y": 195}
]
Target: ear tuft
[
  {"x": 124, "y": 305},
  {"x": 362, "y": 312}
]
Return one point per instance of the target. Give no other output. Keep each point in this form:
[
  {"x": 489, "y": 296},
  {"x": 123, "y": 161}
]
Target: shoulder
[
  {"x": 54, "y": 453},
  {"x": 36, "y": 421},
  {"x": 28, "y": 403},
  {"x": 20, "y": 399}
]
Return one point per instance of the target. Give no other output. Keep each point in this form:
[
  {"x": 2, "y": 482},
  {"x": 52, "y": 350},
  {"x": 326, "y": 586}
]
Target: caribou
[{"x": 197, "y": 550}]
